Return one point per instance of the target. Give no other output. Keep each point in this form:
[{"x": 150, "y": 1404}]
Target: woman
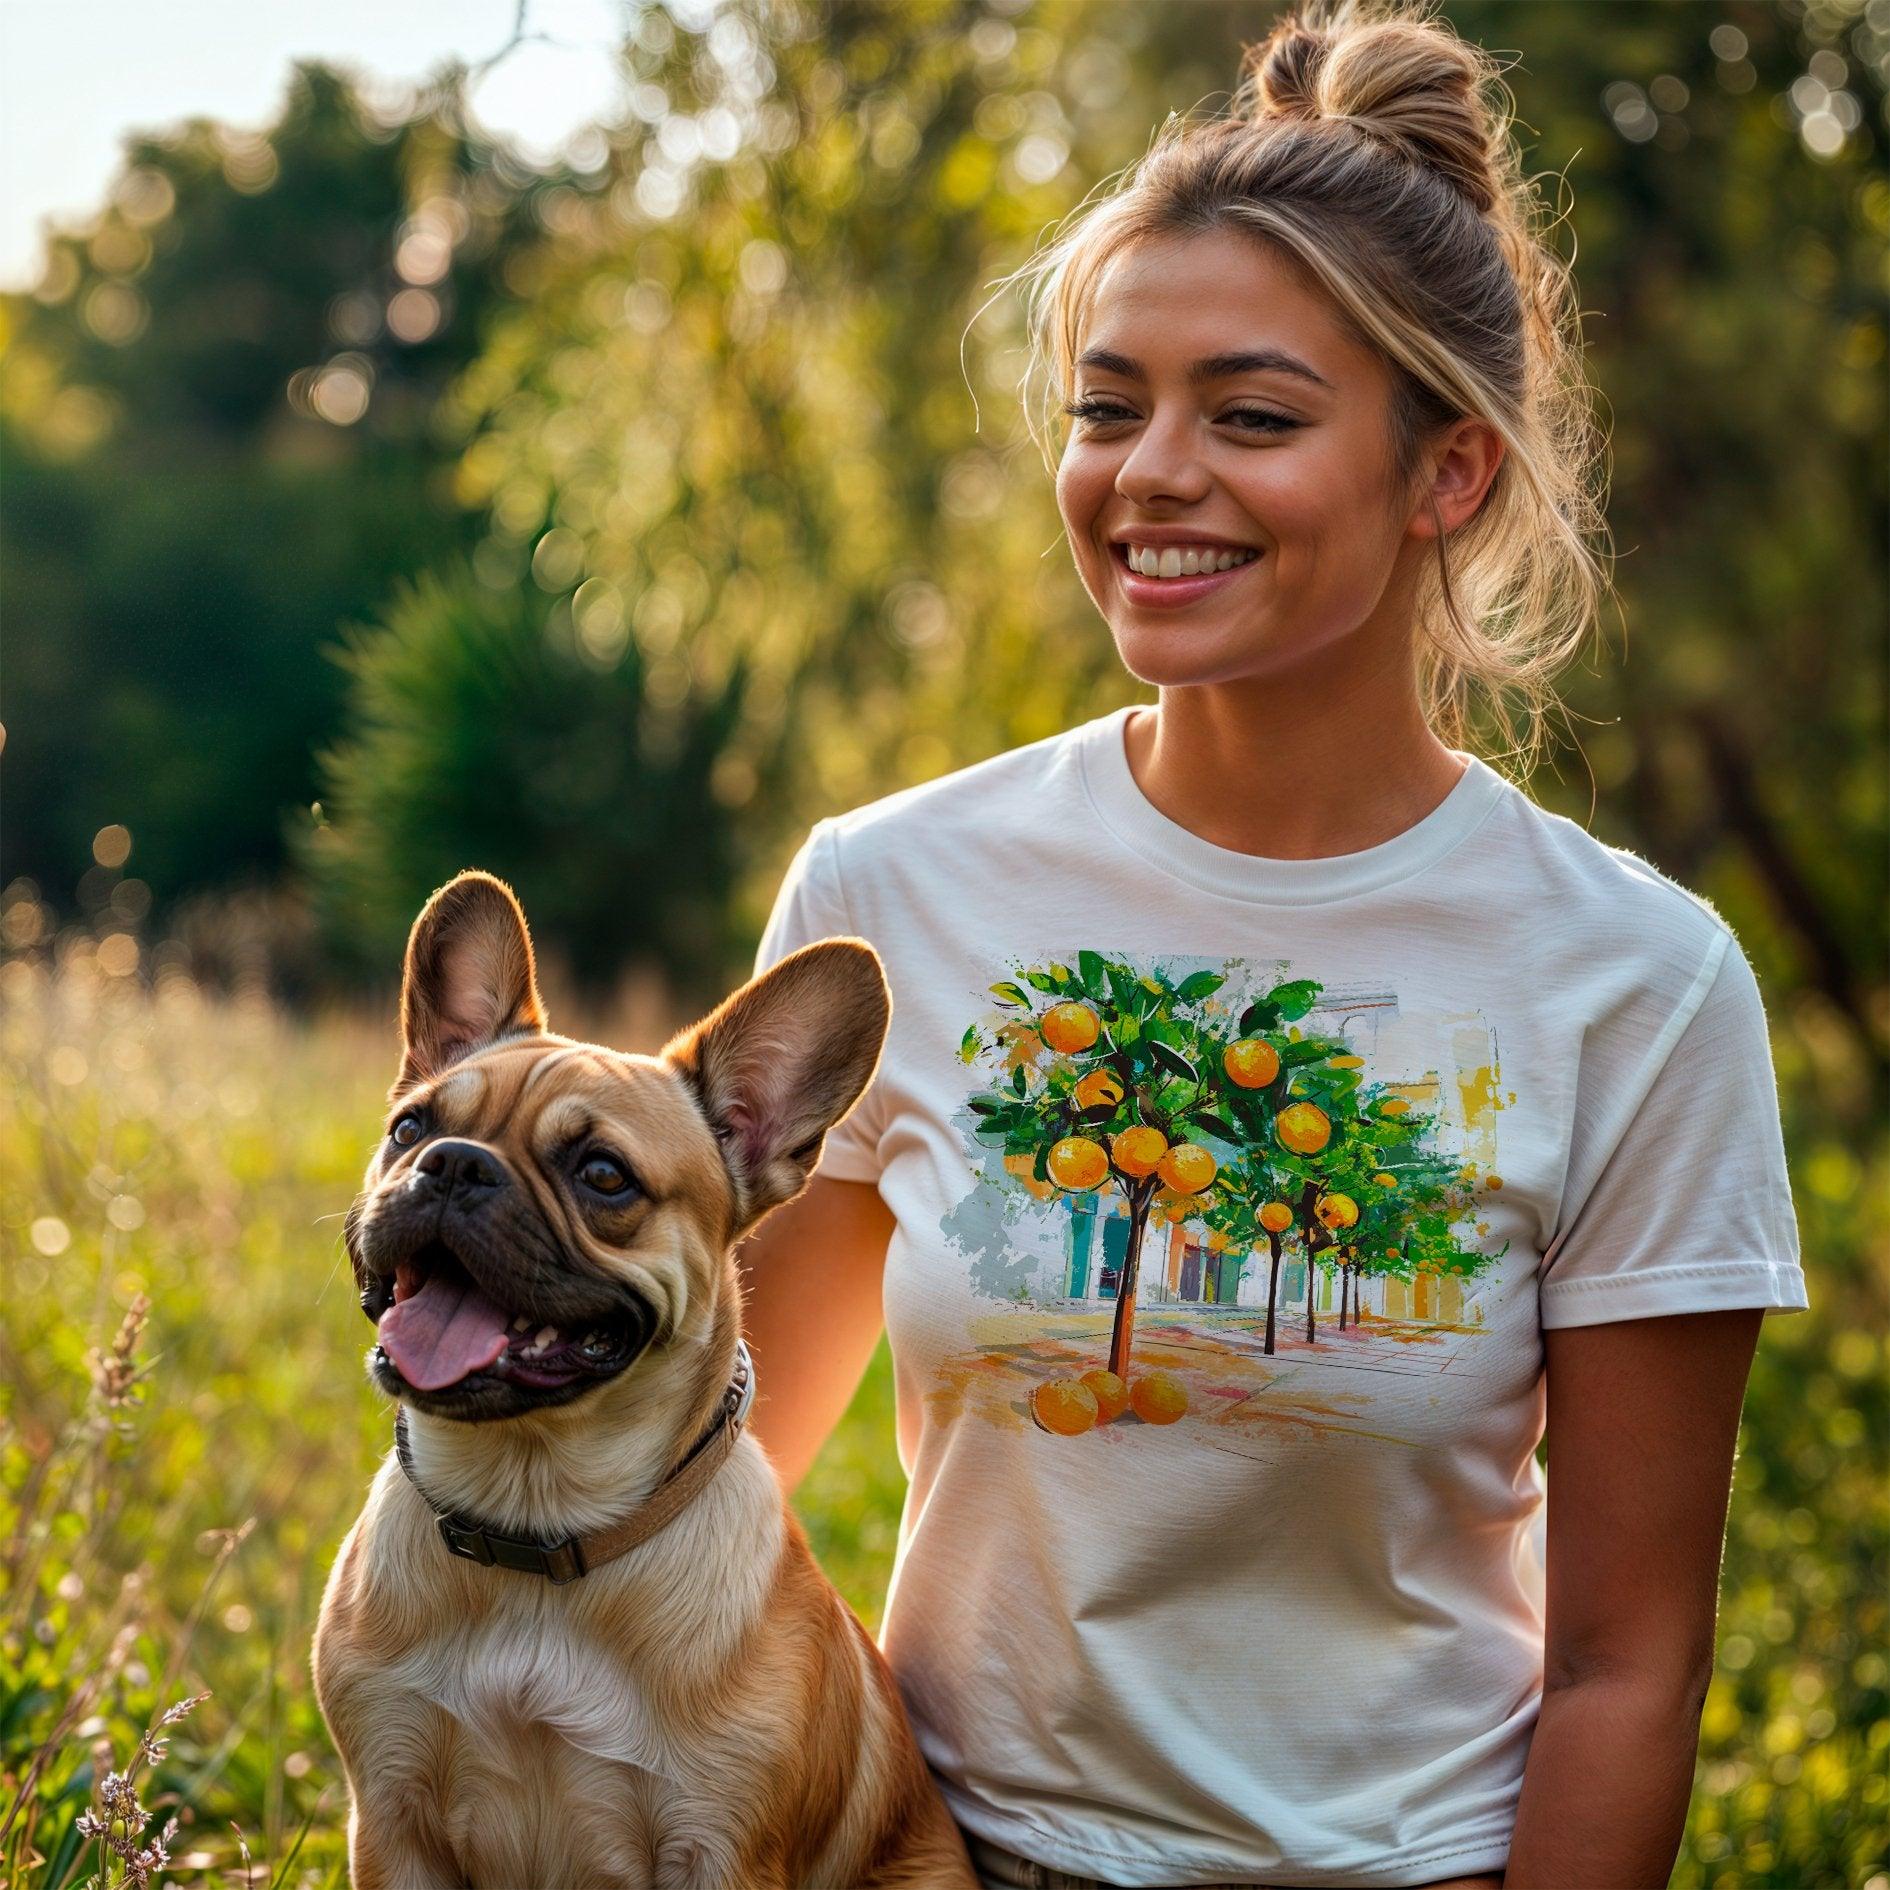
[{"x": 1283, "y": 1116}]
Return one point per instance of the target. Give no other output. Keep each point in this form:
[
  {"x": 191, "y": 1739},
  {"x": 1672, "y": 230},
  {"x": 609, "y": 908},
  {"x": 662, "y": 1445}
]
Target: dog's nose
[{"x": 455, "y": 1167}]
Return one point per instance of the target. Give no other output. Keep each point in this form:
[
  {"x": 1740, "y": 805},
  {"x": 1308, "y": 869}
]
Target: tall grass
[{"x": 188, "y": 1431}]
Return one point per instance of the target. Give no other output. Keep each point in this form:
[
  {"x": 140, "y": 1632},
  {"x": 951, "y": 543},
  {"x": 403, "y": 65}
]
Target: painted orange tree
[
  {"x": 1248, "y": 1211},
  {"x": 1115, "y": 1078},
  {"x": 1368, "y": 1192},
  {"x": 1409, "y": 1229}
]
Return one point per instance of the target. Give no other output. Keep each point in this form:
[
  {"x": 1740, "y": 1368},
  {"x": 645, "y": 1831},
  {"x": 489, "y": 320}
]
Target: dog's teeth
[
  {"x": 520, "y": 1323},
  {"x": 543, "y": 1337}
]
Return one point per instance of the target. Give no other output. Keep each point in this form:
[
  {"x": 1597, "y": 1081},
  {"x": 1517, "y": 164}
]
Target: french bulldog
[{"x": 576, "y": 1636}]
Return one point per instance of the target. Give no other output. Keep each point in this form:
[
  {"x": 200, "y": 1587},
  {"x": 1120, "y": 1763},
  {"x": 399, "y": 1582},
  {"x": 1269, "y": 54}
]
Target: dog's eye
[
  {"x": 406, "y": 1130},
  {"x": 604, "y": 1175}
]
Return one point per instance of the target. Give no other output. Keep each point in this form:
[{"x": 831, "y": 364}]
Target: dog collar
[{"x": 561, "y": 1562}]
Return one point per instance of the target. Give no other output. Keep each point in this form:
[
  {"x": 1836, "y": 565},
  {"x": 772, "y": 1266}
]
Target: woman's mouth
[{"x": 1163, "y": 579}]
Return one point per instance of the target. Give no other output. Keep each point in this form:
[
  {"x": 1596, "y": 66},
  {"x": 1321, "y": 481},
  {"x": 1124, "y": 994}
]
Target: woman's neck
[{"x": 1250, "y": 767}]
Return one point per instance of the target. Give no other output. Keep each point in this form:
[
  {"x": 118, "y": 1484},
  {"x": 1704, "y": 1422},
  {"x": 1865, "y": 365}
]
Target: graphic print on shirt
[{"x": 1212, "y": 1193}]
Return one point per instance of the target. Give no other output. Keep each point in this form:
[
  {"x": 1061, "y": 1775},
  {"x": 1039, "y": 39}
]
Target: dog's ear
[
  {"x": 470, "y": 976},
  {"x": 779, "y": 1062}
]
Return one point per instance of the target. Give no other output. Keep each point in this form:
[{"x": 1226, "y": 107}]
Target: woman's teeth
[{"x": 1172, "y": 561}]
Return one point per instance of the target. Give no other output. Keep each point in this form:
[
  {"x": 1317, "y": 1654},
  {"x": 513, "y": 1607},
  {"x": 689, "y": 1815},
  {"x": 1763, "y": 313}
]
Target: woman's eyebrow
[{"x": 1214, "y": 367}]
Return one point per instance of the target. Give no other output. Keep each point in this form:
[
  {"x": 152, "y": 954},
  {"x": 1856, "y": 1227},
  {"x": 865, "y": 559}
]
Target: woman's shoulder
[
  {"x": 1601, "y": 895},
  {"x": 969, "y": 797}
]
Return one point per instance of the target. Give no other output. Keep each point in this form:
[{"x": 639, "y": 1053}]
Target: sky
[{"x": 77, "y": 75}]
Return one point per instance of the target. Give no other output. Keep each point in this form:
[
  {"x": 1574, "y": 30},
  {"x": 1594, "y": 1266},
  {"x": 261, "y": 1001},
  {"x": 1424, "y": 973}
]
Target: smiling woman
[
  {"x": 1335, "y": 299},
  {"x": 1281, "y": 1112}
]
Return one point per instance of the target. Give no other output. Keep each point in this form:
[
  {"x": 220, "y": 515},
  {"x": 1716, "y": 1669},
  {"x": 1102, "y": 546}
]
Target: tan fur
[{"x": 704, "y": 1712}]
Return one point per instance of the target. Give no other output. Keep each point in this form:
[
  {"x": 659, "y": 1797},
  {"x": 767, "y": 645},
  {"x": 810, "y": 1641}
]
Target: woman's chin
[{"x": 1173, "y": 657}]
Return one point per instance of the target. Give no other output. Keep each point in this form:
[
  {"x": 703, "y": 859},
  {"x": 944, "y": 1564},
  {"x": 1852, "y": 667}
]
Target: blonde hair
[{"x": 1372, "y": 146}]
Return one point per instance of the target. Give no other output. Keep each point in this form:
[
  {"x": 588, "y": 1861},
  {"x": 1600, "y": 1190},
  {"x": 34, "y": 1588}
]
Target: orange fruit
[
  {"x": 1078, "y": 1164},
  {"x": 1138, "y": 1151},
  {"x": 1023, "y": 1168},
  {"x": 1187, "y": 1167},
  {"x": 1252, "y": 1062},
  {"x": 1158, "y": 1398},
  {"x": 1386, "y": 1181},
  {"x": 1110, "y": 1393},
  {"x": 1176, "y": 1211},
  {"x": 1276, "y": 1217},
  {"x": 1303, "y": 1127},
  {"x": 1336, "y": 1211},
  {"x": 1097, "y": 1089},
  {"x": 1493, "y": 1181},
  {"x": 1066, "y": 1406},
  {"x": 1069, "y": 1027}
]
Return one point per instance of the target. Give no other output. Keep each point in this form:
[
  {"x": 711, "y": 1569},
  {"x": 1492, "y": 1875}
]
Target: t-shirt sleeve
[
  {"x": 812, "y": 905},
  {"x": 1677, "y": 1198}
]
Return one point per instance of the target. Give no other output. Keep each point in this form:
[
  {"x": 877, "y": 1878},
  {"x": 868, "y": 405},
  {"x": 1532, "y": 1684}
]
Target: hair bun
[{"x": 1397, "y": 76}]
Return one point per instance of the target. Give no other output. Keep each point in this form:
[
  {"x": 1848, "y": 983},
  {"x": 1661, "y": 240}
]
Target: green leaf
[
  {"x": 1174, "y": 1061},
  {"x": 1307, "y": 1050},
  {"x": 986, "y": 1106},
  {"x": 1008, "y": 993},
  {"x": 1258, "y": 1017},
  {"x": 1295, "y": 999},
  {"x": 1019, "y": 1080},
  {"x": 1090, "y": 965},
  {"x": 968, "y": 1049},
  {"x": 1213, "y": 1125},
  {"x": 1040, "y": 1168},
  {"x": 1202, "y": 984},
  {"x": 1124, "y": 987},
  {"x": 1043, "y": 980}
]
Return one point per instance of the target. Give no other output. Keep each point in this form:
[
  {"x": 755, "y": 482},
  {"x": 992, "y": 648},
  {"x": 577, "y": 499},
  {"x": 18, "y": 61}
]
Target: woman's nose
[{"x": 1163, "y": 463}]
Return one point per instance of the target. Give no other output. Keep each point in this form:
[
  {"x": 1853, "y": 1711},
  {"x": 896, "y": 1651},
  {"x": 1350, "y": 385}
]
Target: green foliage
[
  {"x": 216, "y": 449},
  {"x": 481, "y": 736}
]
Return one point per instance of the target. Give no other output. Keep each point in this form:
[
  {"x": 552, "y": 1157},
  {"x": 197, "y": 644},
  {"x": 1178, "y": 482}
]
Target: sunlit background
[{"x": 583, "y": 440}]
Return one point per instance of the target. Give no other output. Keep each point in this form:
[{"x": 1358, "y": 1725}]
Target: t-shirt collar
[{"x": 1127, "y": 812}]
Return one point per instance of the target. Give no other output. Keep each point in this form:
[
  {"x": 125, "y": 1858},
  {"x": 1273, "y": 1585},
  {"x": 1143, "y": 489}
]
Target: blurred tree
[
  {"x": 481, "y": 735},
  {"x": 216, "y": 429}
]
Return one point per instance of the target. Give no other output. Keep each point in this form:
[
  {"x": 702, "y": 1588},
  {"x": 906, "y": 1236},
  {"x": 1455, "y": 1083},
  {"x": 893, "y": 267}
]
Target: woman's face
[{"x": 1223, "y": 412}]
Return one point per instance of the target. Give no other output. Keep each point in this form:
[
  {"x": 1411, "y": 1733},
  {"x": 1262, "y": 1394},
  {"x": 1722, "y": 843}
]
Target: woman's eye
[
  {"x": 603, "y": 1174},
  {"x": 1097, "y": 410},
  {"x": 1260, "y": 420},
  {"x": 1247, "y": 419},
  {"x": 406, "y": 1131}
]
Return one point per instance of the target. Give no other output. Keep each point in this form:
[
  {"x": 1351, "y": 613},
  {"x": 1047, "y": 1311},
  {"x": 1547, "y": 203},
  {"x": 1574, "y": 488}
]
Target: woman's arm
[
  {"x": 1643, "y": 1416},
  {"x": 811, "y": 1284}
]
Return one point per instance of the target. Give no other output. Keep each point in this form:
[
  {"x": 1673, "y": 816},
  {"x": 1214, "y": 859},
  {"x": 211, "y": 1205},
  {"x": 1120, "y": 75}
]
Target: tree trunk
[
  {"x": 1273, "y": 1286},
  {"x": 1308, "y": 1195},
  {"x": 1122, "y": 1339}
]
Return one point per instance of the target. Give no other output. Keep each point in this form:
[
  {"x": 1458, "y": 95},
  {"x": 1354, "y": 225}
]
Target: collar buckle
[{"x": 558, "y": 1562}]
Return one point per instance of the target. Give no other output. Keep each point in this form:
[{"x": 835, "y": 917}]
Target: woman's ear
[{"x": 1459, "y": 466}]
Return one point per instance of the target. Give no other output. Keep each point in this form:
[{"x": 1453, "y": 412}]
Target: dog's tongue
[{"x": 442, "y": 1332}]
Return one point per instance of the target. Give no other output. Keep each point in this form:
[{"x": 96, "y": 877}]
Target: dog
[{"x": 576, "y": 1636}]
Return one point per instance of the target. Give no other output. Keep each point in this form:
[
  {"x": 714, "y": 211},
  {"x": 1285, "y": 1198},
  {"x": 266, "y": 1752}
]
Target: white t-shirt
[{"x": 1282, "y": 1618}]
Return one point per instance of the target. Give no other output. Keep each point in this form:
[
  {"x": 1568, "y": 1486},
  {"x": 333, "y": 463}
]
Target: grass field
[{"x": 173, "y": 1490}]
